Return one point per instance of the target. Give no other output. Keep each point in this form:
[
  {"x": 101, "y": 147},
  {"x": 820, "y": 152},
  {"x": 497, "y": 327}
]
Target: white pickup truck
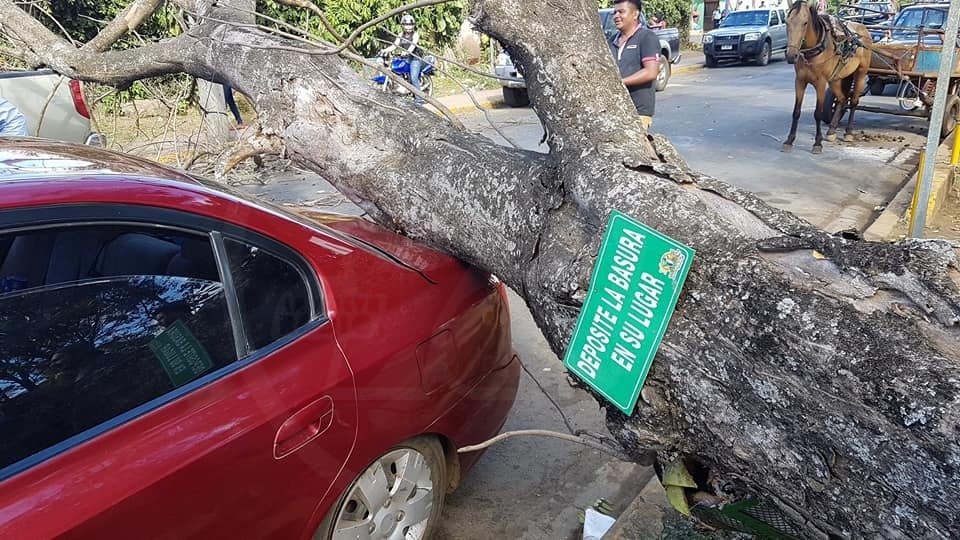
[{"x": 53, "y": 105}]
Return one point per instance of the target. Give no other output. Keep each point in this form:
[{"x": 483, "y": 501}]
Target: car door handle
[{"x": 303, "y": 426}]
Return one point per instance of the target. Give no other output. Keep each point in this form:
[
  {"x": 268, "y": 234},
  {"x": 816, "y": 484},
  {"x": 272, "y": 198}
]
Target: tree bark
[{"x": 819, "y": 372}]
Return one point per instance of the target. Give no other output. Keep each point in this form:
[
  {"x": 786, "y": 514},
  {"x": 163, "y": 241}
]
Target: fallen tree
[{"x": 819, "y": 371}]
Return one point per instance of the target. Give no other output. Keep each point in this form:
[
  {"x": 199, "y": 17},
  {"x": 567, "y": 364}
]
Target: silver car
[{"x": 53, "y": 105}]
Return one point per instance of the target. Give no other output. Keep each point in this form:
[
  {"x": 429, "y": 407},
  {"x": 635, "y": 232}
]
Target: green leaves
[{"x": 438, "y": 25}]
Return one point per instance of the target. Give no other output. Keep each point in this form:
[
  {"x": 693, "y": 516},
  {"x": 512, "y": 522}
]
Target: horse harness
[{"x": 845, "y": 42}]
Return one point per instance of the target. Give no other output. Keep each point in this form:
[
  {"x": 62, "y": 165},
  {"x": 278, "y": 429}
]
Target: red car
[{"x": 177, "y": 361}]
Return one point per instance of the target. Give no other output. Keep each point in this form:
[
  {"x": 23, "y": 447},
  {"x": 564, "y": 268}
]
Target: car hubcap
[{"x": 392, "y": 500}]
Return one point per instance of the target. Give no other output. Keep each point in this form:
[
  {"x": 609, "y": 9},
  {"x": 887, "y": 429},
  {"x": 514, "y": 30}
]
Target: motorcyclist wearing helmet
[{"x": 408, "y": 45}]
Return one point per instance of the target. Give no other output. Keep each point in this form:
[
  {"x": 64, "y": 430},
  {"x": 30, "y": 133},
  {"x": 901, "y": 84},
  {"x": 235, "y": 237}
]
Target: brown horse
[{"x": 822, "y": 58}]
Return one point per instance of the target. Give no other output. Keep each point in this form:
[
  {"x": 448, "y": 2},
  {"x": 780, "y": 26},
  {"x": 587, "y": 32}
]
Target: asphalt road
[{"x": 730, "y": 123}]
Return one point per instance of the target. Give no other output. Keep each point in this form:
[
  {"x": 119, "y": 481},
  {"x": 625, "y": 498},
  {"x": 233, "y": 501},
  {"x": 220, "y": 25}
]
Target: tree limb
[{"x": 126, "y": 21}]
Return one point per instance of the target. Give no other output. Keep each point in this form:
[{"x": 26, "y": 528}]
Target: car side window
[
  {"x": 773, "y": 19},
  {"x": 273, "y": 294},
  {"x": 96, "y": 321}
]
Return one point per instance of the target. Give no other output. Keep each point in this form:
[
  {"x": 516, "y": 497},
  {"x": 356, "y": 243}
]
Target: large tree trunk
[{"x": 819, "y": 371}]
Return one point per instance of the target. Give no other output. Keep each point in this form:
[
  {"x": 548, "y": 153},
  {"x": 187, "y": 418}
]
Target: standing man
[
  {"x": 636, "y": 50},
  {"x": 12, "y": 122}
]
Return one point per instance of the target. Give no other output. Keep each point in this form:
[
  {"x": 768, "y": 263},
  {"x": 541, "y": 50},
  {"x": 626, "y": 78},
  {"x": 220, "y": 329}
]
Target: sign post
[{"x": 633, "y": 290}]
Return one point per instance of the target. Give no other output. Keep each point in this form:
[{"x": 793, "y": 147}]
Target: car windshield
[
  {"x": 927, "y": 17},
  {"x": 746, "y": 18}
]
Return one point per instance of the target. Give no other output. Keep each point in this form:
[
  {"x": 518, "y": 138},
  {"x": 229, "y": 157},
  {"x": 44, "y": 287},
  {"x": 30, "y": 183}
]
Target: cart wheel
[
  {"x": 950, "y": 114},
  {"x": 829, "y": 107}
]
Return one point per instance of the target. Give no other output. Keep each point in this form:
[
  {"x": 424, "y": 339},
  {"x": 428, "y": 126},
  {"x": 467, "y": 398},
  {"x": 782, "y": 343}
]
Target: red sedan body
[{"x": 216, "y": 425}]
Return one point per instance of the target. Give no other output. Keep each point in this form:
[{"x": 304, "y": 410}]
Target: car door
[
  {"x": 180, "y": 381},
  {"x": 778, "y": 31}
]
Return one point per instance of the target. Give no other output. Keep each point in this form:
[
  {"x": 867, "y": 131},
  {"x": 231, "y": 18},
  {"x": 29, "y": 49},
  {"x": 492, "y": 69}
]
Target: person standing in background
[{"x": 636, "y": 50}]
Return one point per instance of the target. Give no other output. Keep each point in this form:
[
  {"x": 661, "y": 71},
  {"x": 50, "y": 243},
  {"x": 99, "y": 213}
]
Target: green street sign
[{"x": 634, "y": 287}]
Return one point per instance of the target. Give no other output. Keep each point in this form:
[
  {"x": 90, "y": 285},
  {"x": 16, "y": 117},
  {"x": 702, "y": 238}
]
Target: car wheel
[
  {"x": 663, "y": 75},
  {"x": 398, "y": 497},
  {"x": 764, "y": 57},
  {"x": 710, "y": 61},
  {"x": 950, "y": 114},
  {"x": 877, "y": 87},
  {"x": 516, "y": 97}
]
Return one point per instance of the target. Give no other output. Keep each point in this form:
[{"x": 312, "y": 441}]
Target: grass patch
[{"x": 445, "y": 84}]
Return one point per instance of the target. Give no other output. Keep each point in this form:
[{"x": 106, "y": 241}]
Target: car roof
[{"x": 35, "y": 159}]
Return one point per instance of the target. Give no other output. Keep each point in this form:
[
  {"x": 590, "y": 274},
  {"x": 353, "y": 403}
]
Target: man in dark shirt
[{"x": 636, "y": 50}]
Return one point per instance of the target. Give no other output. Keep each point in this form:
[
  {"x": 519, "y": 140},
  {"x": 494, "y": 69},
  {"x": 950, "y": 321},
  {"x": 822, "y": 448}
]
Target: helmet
[{"x": 407, "y": 19}]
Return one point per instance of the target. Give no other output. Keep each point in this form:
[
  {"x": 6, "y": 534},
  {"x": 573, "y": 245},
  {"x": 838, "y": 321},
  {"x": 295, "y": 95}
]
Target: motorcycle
[{"x": 401, "y": 66}]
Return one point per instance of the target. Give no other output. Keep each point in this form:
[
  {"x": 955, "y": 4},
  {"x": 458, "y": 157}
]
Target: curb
[
  {"x": 688, "y": 68},
  {"x": 898, "y": 210},
  {"x": 644, "y": 517},
  {"x": 495, "y": 103}
]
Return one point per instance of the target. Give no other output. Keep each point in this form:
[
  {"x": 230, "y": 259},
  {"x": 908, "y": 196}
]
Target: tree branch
[
  {"x": 129, "y": 19},
  {"x": 44, "y": 48}
]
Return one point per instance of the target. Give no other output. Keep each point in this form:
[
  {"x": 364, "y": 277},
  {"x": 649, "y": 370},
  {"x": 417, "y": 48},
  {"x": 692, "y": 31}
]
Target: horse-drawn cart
[{"x": 909, "y": 57}]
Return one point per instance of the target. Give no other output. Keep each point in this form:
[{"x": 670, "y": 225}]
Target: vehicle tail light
[
  {"x": 78, "y": 102},
  {"x": 495, "y": 281}
]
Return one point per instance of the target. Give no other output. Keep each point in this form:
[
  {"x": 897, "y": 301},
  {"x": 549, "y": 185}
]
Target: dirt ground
[{"x": 945, "y": 223}]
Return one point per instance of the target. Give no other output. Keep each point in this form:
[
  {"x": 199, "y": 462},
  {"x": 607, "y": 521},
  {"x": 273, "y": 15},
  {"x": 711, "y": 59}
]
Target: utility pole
[{"x": 947, "y": 60}]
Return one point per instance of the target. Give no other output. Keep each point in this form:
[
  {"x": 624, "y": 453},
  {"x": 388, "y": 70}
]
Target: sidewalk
[
  {"x": 896, "y": 216},
  {"x": 493, "y": 99}
]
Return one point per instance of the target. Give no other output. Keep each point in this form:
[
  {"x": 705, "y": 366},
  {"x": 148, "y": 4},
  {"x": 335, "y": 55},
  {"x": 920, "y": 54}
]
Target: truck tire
[
  {"x": 516, "y": 97},
  {"x": 764, "y": 57},
  {"x": 663, "y": 75},
  {"x": 710, "y": 61}
]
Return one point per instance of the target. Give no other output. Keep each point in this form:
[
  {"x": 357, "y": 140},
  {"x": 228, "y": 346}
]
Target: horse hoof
[
  {"x": 849, "y": 137},
  {"x": 817, "y": 149},
  {"x": 831, "y": 137},
  {"x": 787, "y": 148}
]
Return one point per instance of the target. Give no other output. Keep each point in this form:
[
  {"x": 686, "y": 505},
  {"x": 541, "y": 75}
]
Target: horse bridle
[{"x": 812, "y": 52}]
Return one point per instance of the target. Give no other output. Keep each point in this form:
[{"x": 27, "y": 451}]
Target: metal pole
[{"x": 947, "y": 54}]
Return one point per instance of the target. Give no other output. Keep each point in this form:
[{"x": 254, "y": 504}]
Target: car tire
[
  {"x": 410, "y": 477},
  {"x": 877, "y": 87},
  {"x": 663, "y": 74},
  {"x": 764, "y": 57},
  {"x": 710, "y": 61},
  {"x": 516, "y": 97},
  {"x": 950, "y": 113}
]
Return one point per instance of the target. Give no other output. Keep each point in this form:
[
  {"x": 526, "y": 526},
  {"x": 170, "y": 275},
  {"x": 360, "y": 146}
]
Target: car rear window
[{"x": 96, "y": 321}]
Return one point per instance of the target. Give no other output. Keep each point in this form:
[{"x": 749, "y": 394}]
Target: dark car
[
  {"x": 177, "y": 361},
  {"x": 749, "y": 35},
  {"x": 911, "y": 20}
]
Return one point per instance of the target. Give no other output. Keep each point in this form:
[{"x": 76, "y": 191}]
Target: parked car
[
  {"x": 868, "y": 12},
  {"x": 905, "y": 27},
  {"x": 902, "y": 37},
  {"x": 515, "y": 89},
  {"x": 749, "y": 35},
  {"x": 178, "y": 361},
  {"x": 54, "y": 106}
]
